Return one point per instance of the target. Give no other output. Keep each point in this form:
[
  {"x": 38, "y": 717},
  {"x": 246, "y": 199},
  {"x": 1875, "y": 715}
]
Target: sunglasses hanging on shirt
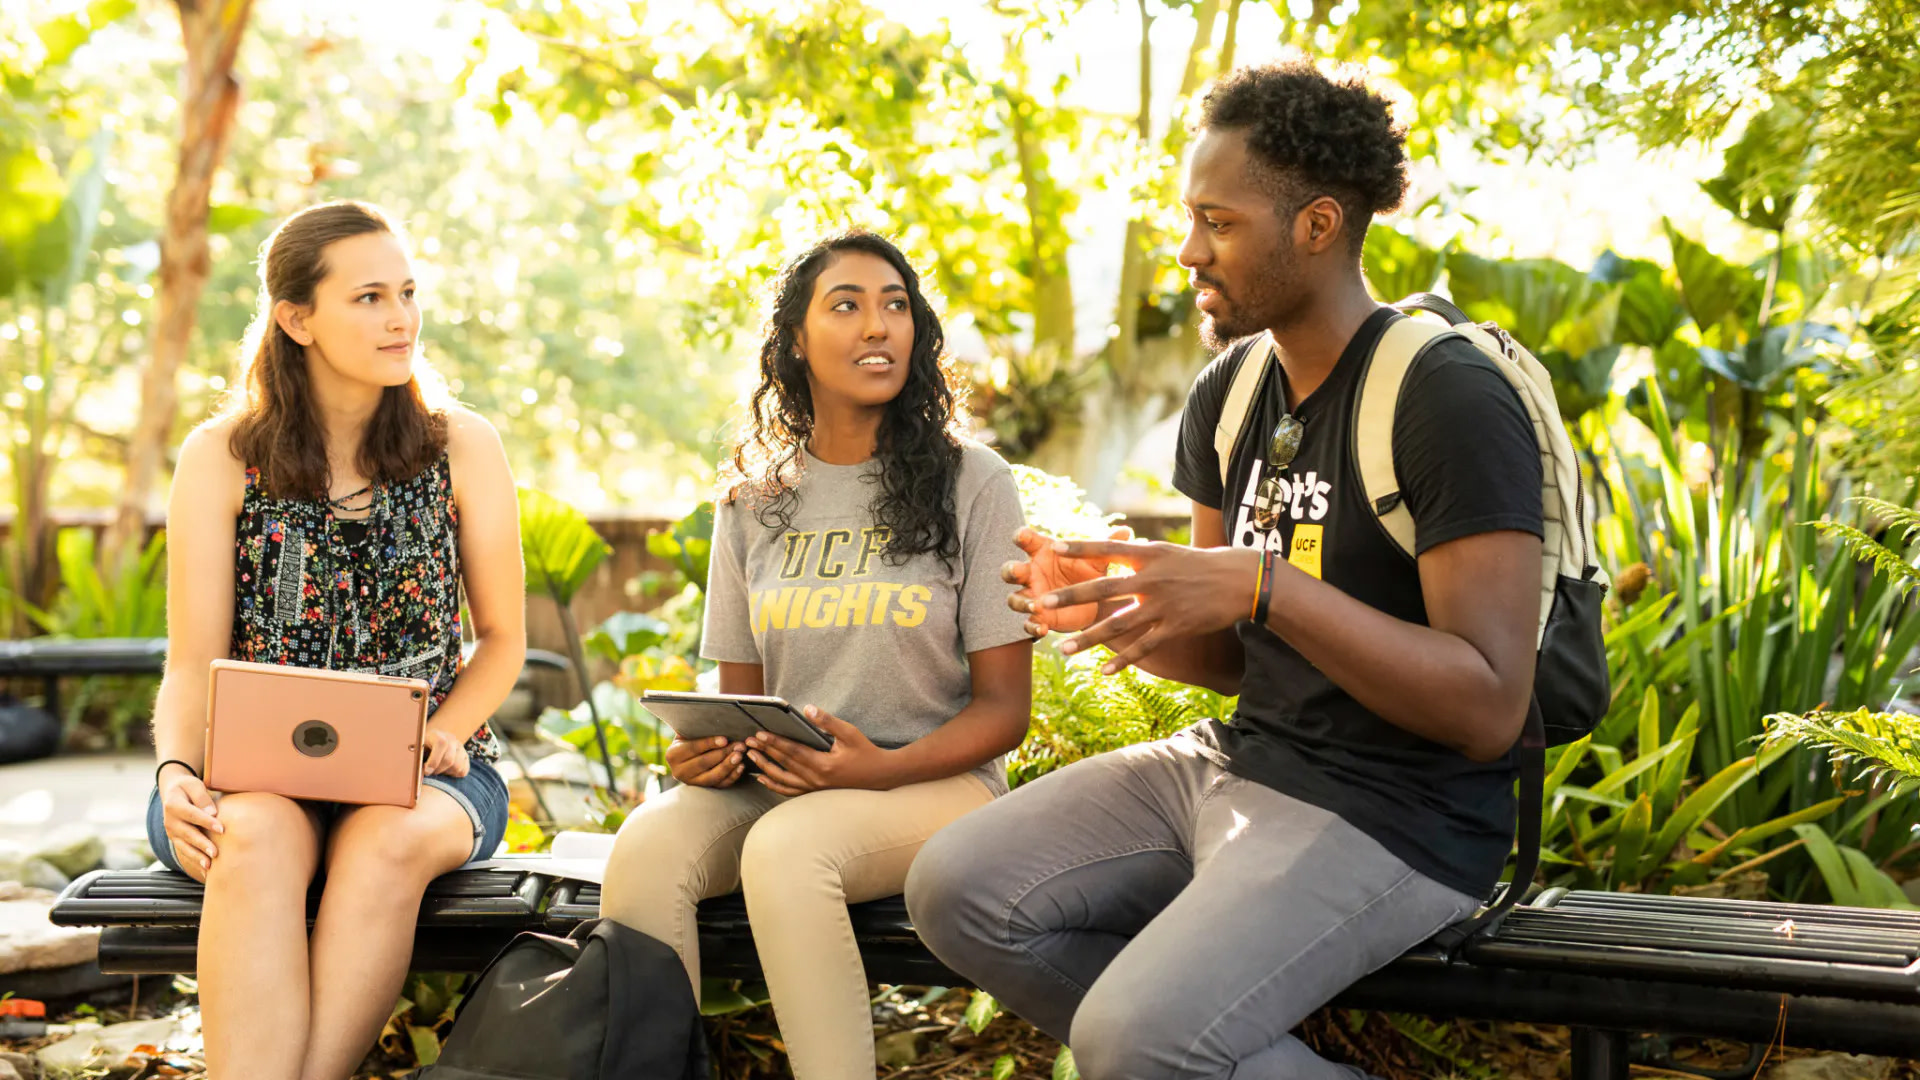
[{"x": 1274, "y": 490}]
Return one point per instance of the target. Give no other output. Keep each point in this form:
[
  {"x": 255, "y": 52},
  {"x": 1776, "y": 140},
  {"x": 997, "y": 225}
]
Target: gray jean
[{"x": 1166, "y": 918}]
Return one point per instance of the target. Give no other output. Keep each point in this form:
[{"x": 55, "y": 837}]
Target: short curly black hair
[{"x": 1317, "y": 133}]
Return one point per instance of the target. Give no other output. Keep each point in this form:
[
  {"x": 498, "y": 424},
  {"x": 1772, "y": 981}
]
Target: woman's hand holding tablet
[
  {"x": 713, "y": 762},
  {"x": 789, "y": 768},
  {"x": 722, "y": 737}
]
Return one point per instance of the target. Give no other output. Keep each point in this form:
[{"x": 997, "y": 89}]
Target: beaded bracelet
[
  {"x": 1259, "y": 578},
  {"x": 1264, "y": 594}
]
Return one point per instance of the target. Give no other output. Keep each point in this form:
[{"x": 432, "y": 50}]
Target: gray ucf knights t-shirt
[{"x": 879, "y": 645}]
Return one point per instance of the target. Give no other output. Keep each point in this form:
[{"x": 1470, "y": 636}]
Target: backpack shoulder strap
[
  {"x": 1373, "y": 412},
  {"x": 1238, "y": 407}
]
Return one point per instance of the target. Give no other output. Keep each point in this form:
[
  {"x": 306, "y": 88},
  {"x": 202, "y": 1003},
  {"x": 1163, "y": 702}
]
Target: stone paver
[{"x": 107, "y": 793}]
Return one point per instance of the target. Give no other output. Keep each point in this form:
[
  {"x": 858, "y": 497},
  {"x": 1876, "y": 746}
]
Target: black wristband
[
  {"x": 173, "y": 761},
  {"x": 1266, "y": 587}
]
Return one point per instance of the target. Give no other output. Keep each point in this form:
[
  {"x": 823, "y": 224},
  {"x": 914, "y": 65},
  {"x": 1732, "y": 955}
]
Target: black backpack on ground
[{"x": 603, "y": 1003}]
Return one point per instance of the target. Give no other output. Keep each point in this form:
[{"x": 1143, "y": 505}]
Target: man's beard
[{"x": 1271, "y": 299}]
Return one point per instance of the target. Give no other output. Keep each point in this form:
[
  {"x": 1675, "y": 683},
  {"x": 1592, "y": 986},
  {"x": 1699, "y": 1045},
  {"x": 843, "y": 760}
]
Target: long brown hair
[{"x": 279, "y": 429}]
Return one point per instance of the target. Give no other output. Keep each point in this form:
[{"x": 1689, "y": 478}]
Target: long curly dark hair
[{"x": 918, "y": 445}]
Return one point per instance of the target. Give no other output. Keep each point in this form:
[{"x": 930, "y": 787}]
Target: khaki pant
[{"x": 800, "y": 862}]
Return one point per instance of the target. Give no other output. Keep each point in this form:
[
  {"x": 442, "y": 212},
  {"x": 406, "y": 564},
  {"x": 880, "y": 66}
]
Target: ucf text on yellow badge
[{"x": 1306, "y": 548}]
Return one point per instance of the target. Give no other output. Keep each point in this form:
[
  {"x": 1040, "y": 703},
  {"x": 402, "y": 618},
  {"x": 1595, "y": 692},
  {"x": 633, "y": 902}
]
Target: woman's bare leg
[
  {"x": 253, "y": 938},
  {"x": 379, "y": 862}
]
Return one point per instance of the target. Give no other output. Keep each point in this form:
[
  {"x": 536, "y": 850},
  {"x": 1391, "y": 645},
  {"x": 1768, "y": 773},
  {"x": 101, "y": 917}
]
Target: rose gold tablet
[{"x": 307, "y": 733}]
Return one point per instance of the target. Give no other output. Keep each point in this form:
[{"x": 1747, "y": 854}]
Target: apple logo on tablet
[{"x": 315, "y": 738}]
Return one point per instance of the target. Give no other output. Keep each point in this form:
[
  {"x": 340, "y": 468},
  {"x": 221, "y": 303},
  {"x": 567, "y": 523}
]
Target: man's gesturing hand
[
  {"x": 1177, "y": 592},
  {"x": 1047, "y": 570}
]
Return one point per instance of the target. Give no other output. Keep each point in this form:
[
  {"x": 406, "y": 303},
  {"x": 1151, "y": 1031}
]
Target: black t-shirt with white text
[{"x": 1467, "y": 463}]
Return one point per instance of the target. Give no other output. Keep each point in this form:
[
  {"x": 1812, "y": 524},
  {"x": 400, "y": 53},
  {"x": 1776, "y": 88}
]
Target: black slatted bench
[
  {"x": 892, "y": 951},
  {"x": 52, "y": 659},
  {"x": 1610, "y": 966},
  {"x": 1613, "y": 967},
  {"x": 150, "y": 919}
]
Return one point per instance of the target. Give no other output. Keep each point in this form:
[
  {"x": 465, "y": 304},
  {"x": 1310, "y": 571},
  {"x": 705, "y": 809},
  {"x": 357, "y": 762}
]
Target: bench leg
[{"x": 1599, "y": 1055}]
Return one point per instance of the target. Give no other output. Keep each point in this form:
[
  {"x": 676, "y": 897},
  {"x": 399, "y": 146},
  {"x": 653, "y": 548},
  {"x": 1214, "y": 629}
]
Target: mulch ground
[{"x": 924, "y": 1037}]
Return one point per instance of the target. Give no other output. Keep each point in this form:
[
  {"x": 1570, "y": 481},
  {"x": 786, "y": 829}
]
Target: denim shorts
[{"x": 481, "y": 793}]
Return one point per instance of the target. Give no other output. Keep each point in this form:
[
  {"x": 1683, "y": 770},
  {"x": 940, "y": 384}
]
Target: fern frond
[
  {"x": 1906, "y": 519},
  {"x": 1884, "y": 746},
  {"x": 1078, "y": 712},
  {"x": 1441, "y": 1041},
  {"x": 1902, "y": 574}
]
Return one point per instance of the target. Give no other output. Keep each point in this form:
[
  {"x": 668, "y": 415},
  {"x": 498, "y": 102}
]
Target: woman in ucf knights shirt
[{"x": 856, "y": 573}]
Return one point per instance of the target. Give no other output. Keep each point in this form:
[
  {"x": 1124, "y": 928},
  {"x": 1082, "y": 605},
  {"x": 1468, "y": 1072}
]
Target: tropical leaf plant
[
  {"x": 982, "y": 1008},
  {"x": 613, "y": 715},
  {"x": 96, "y": 602},
  {"x": 561, "y": 552},
  {"x": 1398, "y": 266},
  {"x": 1808, "y": 634},
  {"x": 93, "y": 603},
  {"x": 1850, "y": 875},
  {"x": 1567, "y": 319},
  {"x": 1650, "y": 313},
  {"x": 1078, "y": 712},
  {"x": 1056, "y": 506},
  {"x": 1642, "y": 820},
  {"x": 625, "y": 634},
  {"x": 560, "y": 547},
  {"x": 687, "y": 543},
  {"x": 1763, "y": 171},
  {"x": 424, "y": 1014}
]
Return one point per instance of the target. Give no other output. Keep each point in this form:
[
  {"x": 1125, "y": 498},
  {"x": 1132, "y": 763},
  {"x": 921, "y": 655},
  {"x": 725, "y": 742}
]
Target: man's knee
[
  {"x": 947, "y": 887},
  {"x": 1121, "y": 1032}
]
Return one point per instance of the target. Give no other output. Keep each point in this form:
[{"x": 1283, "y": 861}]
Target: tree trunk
[
  {"x": 212, "y": 30},
  {"x": 1225, "y": 63},
  {"x": 32, "y": 571},
  {"x": 1047, "y": 238},
  {"x": 1146, "y": 381}
]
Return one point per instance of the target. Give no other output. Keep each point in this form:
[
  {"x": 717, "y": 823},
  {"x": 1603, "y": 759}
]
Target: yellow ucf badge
[{"x": 1306, "y": 548}]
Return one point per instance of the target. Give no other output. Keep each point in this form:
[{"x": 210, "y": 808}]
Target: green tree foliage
[
  {"x": 738, "y": 145},
  {"x": 59, "y": 297},
  {"x": 1844, "y": 77}
]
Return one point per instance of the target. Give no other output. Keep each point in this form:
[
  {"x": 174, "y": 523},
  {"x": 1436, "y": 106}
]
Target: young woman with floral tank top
[{"x": 332, "y": 519}]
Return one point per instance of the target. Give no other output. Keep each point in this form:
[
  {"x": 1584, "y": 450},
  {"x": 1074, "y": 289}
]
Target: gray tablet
[{"x": 732, "y": 717}]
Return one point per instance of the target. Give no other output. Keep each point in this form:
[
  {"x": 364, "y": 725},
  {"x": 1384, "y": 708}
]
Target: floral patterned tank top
[{"x": 383, "y": 595}]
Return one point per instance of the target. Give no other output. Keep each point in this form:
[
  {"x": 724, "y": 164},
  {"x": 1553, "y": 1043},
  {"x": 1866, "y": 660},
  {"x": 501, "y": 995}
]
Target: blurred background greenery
[{"x": 1701, "y": 216}]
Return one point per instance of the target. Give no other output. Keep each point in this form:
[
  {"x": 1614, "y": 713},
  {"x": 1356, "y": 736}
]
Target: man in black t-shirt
[{"x": 1174, "y": 909}]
